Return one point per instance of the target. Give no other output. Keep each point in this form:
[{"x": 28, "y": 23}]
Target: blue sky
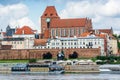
[{"x": 104, "y": 13}]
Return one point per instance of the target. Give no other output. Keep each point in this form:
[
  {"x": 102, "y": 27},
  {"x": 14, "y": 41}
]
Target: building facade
[
  {"x": 23, "y": 38},
  {"x": 74, "y": 42},
  {"x": 52, "y": 26}
]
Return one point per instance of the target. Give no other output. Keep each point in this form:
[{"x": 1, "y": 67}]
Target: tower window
[
  {"x": 51, "y": 14},
  {"x": 45, "y": 14}
]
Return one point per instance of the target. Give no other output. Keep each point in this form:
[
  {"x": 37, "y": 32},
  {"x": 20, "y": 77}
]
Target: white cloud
[
  {"x": 22, "y": 22},
  {"x": 14, "y": 15},
  {"x": 111, "y": 8},
  {"x": 104, "y": 14}
]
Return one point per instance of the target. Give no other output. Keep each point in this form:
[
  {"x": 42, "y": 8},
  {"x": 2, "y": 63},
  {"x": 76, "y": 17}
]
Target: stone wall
[{"x": 38, "y": 53}]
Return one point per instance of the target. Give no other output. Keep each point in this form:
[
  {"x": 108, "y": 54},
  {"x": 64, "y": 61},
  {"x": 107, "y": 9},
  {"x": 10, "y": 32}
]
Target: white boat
[{"x": 105, "y": 70}]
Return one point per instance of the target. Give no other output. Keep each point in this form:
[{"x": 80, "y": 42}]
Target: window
[
  {"x": 51, "y": 14},
  {"x": 45, "y": 14},
  {"x": 82, "y": 30},
  {"x": 64, "y": 34},
  {"x": 74, "y": 31},
  {"x": 62, "y": 43},
  {"x": 75, "y": 43},
  {"x": 83, "y": 42},
  {"x": 56, "y": 32},
  {"x": 71, "y": 32},
  {"x": 52, "y": 32},
  {"x": 79, "y": 31},
  {"x": 95, "y": 42}
]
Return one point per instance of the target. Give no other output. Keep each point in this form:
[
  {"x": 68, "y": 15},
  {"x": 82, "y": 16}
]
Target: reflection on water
[{"x": 61, "y": 77}]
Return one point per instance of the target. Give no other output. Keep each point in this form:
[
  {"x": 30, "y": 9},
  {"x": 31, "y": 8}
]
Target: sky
[{"x": 17, "y": 13}]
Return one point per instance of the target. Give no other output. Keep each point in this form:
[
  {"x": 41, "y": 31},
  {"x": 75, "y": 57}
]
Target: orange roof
[
  {"x": 24, "y": 30},
  {"x": 101, "y": 35},
  {"x": 50, "y": 11},
  {"x": 85, "y": 34},
  {"x": 40, "y": 42},
  {"x": 109, "y": 31},
  {"x": 58, "y": 23}
]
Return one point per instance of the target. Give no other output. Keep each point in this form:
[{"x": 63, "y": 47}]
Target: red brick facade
[
  {"x": 38, "y": 54},
  {"x": 63, "y": 27}
]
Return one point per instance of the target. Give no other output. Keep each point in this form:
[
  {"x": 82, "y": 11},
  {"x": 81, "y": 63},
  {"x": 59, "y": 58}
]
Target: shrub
[{"x": 32, "y": 61}]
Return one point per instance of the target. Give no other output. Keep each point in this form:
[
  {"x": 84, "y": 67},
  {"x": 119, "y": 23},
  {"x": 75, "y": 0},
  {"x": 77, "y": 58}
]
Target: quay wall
[
  {"x": 81, "y": 68},
  {"x": 38, "y": 53}
]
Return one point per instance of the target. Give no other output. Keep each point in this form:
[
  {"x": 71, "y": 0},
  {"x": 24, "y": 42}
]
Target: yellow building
[{"x": 114, "y": 48}]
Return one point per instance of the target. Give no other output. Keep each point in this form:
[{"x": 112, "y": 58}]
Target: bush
[
  {"x": 101, "y": 63},
  {"x": 32, "y": 61}
]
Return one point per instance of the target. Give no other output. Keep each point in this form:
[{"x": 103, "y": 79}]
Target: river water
[{"x": 97, "y": 76}]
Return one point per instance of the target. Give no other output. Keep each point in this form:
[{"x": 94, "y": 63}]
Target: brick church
[{"x": 53, "y": 26}]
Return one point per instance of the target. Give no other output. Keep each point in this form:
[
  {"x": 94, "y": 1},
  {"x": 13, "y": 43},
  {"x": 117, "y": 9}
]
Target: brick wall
[{"x": 37, "y": 54}]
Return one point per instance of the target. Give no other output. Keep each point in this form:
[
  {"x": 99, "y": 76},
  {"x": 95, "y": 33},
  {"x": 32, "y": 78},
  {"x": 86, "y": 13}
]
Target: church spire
[{"x": 50, "y": 12}]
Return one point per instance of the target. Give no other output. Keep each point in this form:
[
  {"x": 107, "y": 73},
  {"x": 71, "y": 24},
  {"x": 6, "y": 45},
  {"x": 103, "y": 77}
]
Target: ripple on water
[{"x": 61, "y": 77}]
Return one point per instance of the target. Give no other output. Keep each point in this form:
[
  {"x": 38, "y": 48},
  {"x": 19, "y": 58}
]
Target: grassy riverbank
[{"x": 14, "y": 61}]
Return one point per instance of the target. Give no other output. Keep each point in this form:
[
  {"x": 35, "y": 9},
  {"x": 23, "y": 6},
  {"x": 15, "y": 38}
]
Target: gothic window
[
  {"x": 60, "y": 32},
  {"x": 71, "y": 32},
  {"x": 52, "y": 32},
  {"x": 74, "y": 31},
  {"x": 64, "y": 32},
  {"x": 56, "y": 32},
  {"x": 82, "y": 30},
  {"x": 68, "y": 32},
  {"x": 79, "y": 31}
]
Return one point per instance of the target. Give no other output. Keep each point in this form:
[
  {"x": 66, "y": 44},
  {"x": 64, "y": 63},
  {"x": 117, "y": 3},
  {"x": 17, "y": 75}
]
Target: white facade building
[{"x": 73, "y": 42}]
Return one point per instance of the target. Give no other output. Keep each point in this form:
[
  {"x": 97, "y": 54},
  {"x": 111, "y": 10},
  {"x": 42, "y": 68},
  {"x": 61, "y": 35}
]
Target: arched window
[
  {"x": 48, "y": 55},
  {"x": 73, "y": 55}
]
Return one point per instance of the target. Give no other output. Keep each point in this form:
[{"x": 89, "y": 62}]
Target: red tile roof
[
  {"x": 38, "y": 42},
  {"x": 64, "y": 23},
  {"x": 50, "y": 11},
  {"x": 24, "y": 30},
  {"x": 109, "y": 31}
]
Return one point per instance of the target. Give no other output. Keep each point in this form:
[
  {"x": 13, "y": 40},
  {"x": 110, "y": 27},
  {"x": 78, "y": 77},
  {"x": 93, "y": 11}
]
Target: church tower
[{"x": 49, "y": 14}]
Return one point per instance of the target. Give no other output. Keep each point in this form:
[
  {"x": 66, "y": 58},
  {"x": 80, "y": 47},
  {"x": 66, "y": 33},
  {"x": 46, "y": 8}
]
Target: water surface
[{"x": 61, "y": 77}]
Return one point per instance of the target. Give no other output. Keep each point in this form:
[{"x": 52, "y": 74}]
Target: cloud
[
  {"x": 22, "y": 22},
  {"x": 14, "y": 15},
  {"x": 104, "y": 13},
  {"x": 111, "y": 8}
]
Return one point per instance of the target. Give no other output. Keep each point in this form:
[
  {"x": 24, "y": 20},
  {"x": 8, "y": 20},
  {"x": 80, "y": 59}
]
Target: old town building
[
  {"x": 73, "y": 36},
  {"x": 71, "y": 43},
  {"x": 22, "y": 39},
  {"x": 52, "y": 26}
]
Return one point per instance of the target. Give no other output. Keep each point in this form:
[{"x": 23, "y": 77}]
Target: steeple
[
  {"x": 50, "y": 11},
  {"x": 111, "y": 30},
  {"x": 48, "y": 15},
  {"x": 8, "y": 28}
]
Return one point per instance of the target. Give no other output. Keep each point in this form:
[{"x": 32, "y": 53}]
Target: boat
[
  {"x": 105, "y": 71},
  {"x": 36, "y": 68}
]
